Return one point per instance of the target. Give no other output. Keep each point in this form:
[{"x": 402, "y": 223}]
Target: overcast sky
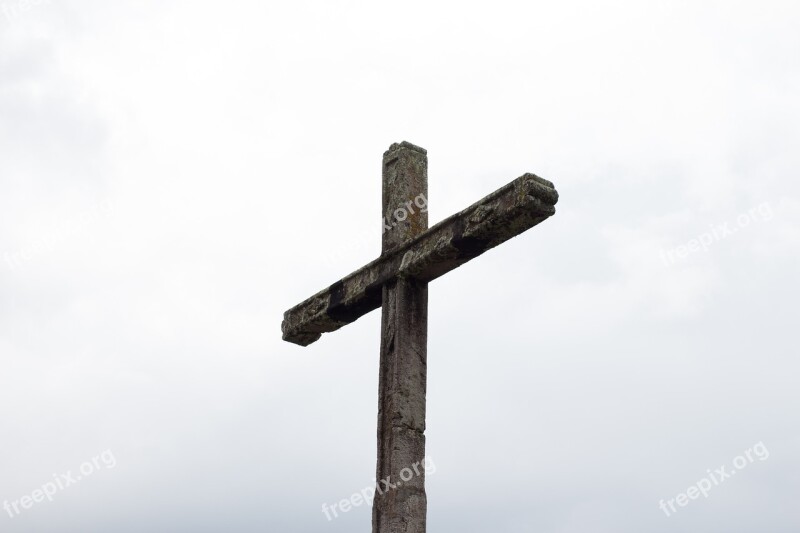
[{"x": 174, "y": 175}]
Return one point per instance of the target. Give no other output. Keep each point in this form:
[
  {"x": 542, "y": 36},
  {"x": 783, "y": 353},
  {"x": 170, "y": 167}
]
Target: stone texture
[
  {"x": 401, "y": 411},
  {"x": 504, "y": 214},
  {"x": 412, "y": 256},
  {"x": 404, "y": 347},
  {"x": 405, "y": 177}
]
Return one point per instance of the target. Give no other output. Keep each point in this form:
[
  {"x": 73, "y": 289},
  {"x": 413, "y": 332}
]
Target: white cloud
[{"x": 239, "y": 143}]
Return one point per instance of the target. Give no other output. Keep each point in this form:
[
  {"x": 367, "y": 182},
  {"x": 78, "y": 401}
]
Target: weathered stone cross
[{"x": 398, "y": 280}]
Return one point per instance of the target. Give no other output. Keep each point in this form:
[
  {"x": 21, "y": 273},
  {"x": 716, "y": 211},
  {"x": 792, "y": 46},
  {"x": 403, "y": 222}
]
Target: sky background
[{"x": 174, "y": 175}]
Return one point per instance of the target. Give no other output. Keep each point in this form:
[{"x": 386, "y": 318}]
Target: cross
[{"x": 412, "y": 255}]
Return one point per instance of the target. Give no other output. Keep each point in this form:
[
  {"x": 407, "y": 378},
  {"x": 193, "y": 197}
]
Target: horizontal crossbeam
[{"x": 504, "y": 214}]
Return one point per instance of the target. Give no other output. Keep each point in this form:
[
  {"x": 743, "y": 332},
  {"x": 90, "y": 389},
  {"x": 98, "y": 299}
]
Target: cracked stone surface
[
  {"x": 412, "y": 256},
  {"x": 504, "y": 214}
]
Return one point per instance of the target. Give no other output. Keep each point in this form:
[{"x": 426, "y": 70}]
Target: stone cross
[{"x": 412, "y": 255}]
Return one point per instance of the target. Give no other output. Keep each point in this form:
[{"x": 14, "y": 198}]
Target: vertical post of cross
[{"x": 400, "y": 502}]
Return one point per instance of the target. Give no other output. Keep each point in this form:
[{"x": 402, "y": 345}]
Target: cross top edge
[{"x": 407, "y": 145}]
